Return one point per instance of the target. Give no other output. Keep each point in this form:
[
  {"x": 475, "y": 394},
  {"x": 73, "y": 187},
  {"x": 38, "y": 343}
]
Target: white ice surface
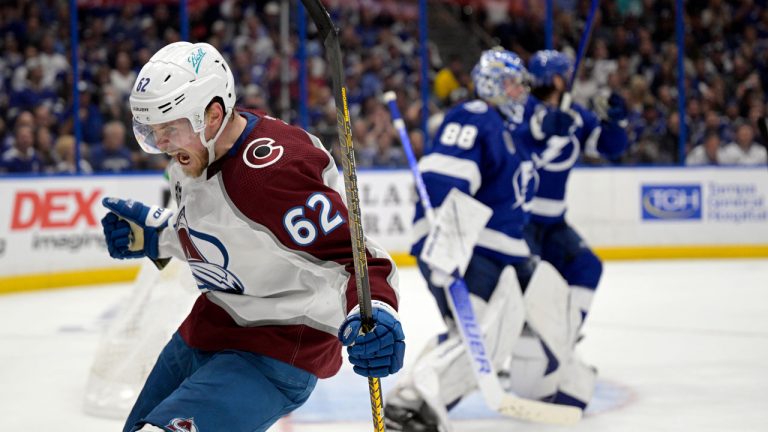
[{"x": 681, "y": 346}]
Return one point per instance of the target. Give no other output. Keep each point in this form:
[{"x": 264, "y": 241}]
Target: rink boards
[{"x": 50, "y": 233}]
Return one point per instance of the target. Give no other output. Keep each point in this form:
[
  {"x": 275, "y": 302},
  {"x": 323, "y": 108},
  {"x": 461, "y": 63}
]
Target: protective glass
[{"x": 164, "y": 137}]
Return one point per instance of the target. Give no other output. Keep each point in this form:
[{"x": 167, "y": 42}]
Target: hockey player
[
  {"x": 263, "y": 228},
  {"x": 539, "y": 369},
  {"x": 475, "y": 152}
]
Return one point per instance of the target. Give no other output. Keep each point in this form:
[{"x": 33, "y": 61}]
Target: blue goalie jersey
[
  {"x": 474, "y": 151},
  {"x": 554, "y": 157}
]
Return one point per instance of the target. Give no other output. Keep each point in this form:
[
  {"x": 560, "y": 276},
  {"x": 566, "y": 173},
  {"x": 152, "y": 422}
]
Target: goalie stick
[
  {"x": 329, "y": 34},
  {"x": 469, "y": 328}
]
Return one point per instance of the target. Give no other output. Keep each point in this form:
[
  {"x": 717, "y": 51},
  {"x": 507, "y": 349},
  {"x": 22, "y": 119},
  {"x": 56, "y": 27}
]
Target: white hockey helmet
[{"x": 180, "y": 81}]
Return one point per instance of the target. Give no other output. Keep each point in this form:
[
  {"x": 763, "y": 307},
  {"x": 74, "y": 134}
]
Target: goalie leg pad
[
  {"x": 581, "y": 302},
  {"x": 503, "y": 316},
  {"x": 530, "y": 370},
  {"x": 577, "y": 384},
  {"x": 530, "y": 375},
  {"x": 543, "y": 364},
  {"x": 441, "y": 376},
  {"x": 501, "y": 319},
  {"x": 547, "y": 303}
]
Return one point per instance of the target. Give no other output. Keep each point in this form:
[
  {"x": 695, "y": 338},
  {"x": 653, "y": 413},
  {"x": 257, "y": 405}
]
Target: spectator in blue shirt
[
  {"x": 112, "y": 155},
  {"x": 34, "y": 90},
  {"x": 90, "y": 116}
]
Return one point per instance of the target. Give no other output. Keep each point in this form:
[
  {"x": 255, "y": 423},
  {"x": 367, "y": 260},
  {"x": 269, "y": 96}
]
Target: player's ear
[
  {"x": 214, "y": 114},
  {"x": 559, "y": 82}
]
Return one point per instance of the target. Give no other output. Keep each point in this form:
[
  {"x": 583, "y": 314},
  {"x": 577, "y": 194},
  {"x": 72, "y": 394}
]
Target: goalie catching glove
[
  {"x": 379, "y": 352},
  {"x": 132, "y": 229}
]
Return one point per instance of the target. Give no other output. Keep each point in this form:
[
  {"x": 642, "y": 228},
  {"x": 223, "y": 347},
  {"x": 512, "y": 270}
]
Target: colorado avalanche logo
[
  {"x": 182, "y": 425},
  {"x": 208, "y": 259},
  {"x": 262, "y": 152}
]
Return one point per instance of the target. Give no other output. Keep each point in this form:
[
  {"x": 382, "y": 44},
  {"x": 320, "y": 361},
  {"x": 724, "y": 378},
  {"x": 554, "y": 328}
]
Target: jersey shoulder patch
[
  {"x": 476, "y": 106},
  {"x": 272, "y": 156},
  {"x": 274, "y": 142},
  {"x": 476, "y": 112},
  {"x": 262, "y": 152}
]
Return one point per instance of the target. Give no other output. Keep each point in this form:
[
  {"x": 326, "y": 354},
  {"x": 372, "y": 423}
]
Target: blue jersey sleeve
[
  {"x": 599, "y": 136},
  {"x": 613, "y": 140}
]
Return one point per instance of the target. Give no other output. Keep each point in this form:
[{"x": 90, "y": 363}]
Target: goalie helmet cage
[{"x": 131, "y": 342}]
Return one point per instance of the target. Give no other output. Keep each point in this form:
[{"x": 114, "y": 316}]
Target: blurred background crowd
[{"x": 633, "y": 52}]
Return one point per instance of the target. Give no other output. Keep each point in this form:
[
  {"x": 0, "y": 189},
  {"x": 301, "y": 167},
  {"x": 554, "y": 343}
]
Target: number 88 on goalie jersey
[{"x": 474, "y": 151}]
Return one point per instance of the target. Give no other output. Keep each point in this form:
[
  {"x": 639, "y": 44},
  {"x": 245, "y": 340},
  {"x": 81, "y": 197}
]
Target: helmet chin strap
[{"x": 211, "y": 144}]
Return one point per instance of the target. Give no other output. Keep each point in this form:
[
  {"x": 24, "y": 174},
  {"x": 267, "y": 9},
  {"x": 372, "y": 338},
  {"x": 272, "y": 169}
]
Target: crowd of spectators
[{"x": 633, "y": 53}]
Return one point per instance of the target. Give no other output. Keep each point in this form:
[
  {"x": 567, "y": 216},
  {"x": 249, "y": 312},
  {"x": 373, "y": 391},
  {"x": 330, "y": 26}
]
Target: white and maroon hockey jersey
[{"x": 265, "y": 233}]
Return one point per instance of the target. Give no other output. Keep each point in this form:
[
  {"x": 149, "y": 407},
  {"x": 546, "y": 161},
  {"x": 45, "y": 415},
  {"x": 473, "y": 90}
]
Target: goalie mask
[
  {"x": 545, "y": 65},
  {"x": 501, "y": 79},
  {"x": 177, "y": 83}
]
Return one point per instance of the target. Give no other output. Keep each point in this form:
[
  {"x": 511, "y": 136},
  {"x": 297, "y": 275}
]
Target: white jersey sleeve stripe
[
  {"x": 450, "y": 166},
  {"x": 168, "y": 241},
  {"x": 247, "y": 316},
  {"x": 547, "y": 207},
  {"x": 331, "y": 175},
  {"x": 590, "y": 147},
  {"x": 502, "y": 243}
]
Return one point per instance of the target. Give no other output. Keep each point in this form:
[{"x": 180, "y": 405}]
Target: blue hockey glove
[
  {"x": 380, "y": 352},
  {"x": 612, "y": 109},
  {"x": 132, "y": 229},
  {"x": 617, "y": 110},
  {"x": 557, "y": 123}
]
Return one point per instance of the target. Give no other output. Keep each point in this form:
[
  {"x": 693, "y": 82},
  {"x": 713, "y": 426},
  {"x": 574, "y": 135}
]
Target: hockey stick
[
  {"x": 329, "y": 34},
  {"x": 469, "y": 327},
  {"x": 566, "y": 98}
]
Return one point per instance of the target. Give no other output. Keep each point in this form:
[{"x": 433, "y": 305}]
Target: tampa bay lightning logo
[
  {"x": 525, "y": 182},
  {"x": 207, "y": 257},
  {"x": 560, "y": 153}
]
